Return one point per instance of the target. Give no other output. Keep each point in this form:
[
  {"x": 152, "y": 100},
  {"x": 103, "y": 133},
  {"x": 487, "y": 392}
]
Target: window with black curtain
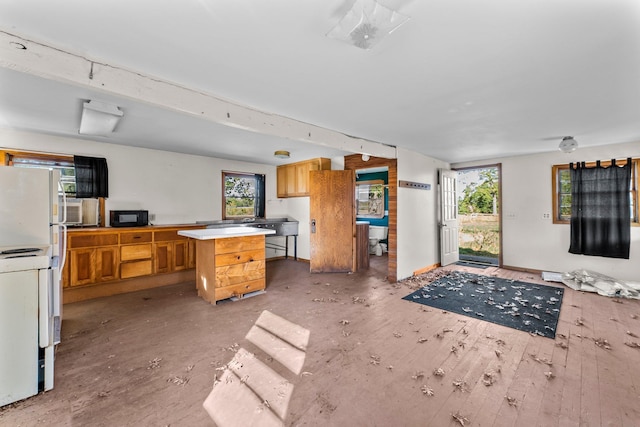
[
  {"x": 92, "y": 177},
  {"x": 600, "y": 206}
]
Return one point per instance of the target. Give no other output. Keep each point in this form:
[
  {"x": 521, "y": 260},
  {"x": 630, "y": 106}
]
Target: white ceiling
[{"x": 461, "y": 80}]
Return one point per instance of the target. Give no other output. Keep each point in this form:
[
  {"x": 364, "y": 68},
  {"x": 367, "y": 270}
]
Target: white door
[{"x": 448, "y": 217}]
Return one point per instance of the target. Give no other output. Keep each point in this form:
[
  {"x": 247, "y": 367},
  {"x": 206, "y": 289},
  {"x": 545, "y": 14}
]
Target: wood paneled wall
[{"x": 355, "y": 162}]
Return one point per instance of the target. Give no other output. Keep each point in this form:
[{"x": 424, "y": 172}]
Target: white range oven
[{"x": 26, "y": 322}]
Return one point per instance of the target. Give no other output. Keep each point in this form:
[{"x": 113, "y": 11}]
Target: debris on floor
[
  {"x": 155, "y": 363},
  {"x": 178, "y": 380},
  {"x": 418, "y": 375},
  {"x": 427, "y": 390},
  {"x": 539, "y": 360},
  {"x": 591, "y": 281},
  {"x": 602, "y": 343},
  {"x": 439, "y": 372},
  {"x": 460, "y": 385},
  {"x": 511, "y": 401},
  {"x": 460, "y": 419},
  {"x": 488, "y": 378},
  {"x": 632, "y": 344},
  {"x": 550, "y": 375}
]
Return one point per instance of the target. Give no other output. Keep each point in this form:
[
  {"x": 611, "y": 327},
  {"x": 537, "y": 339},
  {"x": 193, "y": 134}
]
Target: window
[
  {"x": 49, "y": 161},
  {"x": 63, "y": 163},
  {"x": 243, "y": 195},
  {"x": 370, "y": 199},
  {"x": 562, "y": 192}
]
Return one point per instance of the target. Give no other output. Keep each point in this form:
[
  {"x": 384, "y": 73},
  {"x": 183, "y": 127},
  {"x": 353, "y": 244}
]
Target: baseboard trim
[
  {"x": 525, "y": 270},
  {"x": 426, "y": 269},
  {"x": 106, "y": 289}
]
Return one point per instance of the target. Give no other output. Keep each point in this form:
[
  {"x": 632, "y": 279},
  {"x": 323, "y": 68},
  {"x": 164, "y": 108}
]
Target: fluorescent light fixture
[
  {"x": 99, "y": 118},
  {"x": 568, "y": 144},
  {"x": 281, "y": 154}
]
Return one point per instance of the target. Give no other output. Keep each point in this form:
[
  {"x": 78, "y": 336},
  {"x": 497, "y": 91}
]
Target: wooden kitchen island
[{"x": 230, "y": 262}]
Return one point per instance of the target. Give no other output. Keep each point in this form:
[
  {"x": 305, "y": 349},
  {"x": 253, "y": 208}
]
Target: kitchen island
[{"x": 230, "y": 262}]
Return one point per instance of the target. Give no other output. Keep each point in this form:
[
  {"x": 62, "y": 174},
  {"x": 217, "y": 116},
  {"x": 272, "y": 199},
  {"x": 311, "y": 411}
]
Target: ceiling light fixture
[
  {"x": 366, "y": 23},
  {"x": 568, "y": 144},
  {"x": 365, "y": 157},
  {"x": 99, "y": 118},
  {"x": 281, "y": 154}
]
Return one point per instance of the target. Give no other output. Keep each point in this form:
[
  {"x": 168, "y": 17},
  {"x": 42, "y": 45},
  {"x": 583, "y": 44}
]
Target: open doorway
[
  {"x": 480, "y": 227},
  {"x": 372, "y": 208},
  {"x": 356, "y": 162}
]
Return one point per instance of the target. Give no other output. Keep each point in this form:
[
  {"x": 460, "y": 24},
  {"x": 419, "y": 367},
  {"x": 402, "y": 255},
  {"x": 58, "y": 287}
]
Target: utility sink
[{"x": 283, "y": 226}]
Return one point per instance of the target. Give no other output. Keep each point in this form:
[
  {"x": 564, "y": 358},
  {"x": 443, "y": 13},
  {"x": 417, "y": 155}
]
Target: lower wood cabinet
[
  {"x": 110, "y": 256},
  {"x": 171, "y": 252},
  {"x": 91, "y": 259},
  {"x": 107, "y": 264},
  {"x": 235, "y": 266}
]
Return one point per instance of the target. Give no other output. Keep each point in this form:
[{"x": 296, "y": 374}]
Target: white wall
[
  {"x": 176, "y": 188},
  {"x": 529, "y": 241},
  {"x": 418, "y": 240}
]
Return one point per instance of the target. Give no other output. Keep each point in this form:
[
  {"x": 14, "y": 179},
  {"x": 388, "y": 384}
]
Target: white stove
[{"x": 20, "y": 258}]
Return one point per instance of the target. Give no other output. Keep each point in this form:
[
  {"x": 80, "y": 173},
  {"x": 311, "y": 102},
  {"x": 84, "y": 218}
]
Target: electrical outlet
[
  {"x": 546, "y": 215},
  {"x": 152, "y": 217}
]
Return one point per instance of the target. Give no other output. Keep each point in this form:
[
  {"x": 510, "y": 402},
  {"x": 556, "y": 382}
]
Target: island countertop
[{"x": 222, "y": 233}]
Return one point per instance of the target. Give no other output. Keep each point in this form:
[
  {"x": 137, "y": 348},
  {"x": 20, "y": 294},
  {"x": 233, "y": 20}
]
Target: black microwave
[{"x": 128, "y": 218}]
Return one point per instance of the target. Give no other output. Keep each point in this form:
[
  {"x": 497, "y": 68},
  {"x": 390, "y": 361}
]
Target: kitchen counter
[
  {"x": 222, "y": 233},
  {"x": 230, "y": 262},
  {"x": 284, "y": 227}
]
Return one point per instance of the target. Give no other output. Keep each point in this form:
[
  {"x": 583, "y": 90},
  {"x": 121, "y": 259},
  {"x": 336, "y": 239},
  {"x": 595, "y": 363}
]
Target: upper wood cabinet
[{"x": 293, "y": 178}]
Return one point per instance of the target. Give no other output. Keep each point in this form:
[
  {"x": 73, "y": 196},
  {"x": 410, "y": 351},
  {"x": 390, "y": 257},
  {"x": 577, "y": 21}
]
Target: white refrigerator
[{"x": 32, "y": 249}]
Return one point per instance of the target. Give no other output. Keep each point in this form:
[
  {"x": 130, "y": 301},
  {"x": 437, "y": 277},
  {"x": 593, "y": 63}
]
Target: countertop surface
[{"x": 224, "y": 233}]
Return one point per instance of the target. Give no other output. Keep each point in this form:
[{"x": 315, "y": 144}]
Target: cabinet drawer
[
  {"x": 240, "y": 289},
  {"x": 240, "y": 257},
  {"x": 89, "y": 240},
  {"x": 239, "y": 244},
  {"x": 167, "y": 236},
  {"x": 135, "y": 237},
  {"x": 239, "y": 273},
  {"x": 133, "y": 252},
  {"x": 135, "y": 269}
]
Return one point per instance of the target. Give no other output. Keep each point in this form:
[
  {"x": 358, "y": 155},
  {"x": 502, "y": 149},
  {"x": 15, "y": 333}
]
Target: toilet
[{"x": 377, "y": 233}]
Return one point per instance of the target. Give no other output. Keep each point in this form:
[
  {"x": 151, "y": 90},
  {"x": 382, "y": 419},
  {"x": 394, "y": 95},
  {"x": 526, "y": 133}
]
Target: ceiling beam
[{"x": 28, "y": 56}]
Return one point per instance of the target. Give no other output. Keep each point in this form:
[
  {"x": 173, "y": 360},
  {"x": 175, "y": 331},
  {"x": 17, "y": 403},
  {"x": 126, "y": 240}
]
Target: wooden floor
[{"x": 150, "y": 358}]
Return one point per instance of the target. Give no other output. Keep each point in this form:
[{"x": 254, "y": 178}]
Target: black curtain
[
  {"x": 600, "y": 210},
  {"x": 260, "y": 196},
  {"x": 92, "y": 177}
]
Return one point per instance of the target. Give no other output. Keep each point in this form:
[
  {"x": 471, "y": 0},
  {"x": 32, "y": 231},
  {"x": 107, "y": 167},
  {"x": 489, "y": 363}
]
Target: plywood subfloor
[{"x": 150, "y": 358}]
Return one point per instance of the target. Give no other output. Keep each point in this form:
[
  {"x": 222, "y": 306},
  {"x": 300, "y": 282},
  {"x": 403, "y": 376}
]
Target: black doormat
[{"x": 525, "y": 306}]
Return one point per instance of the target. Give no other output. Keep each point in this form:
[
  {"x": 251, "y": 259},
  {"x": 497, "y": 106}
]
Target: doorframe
[
  {"x": 499, "y": 167},
  {"x": 354, "y": 162}
]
